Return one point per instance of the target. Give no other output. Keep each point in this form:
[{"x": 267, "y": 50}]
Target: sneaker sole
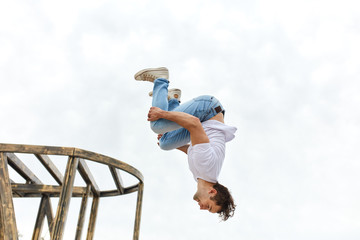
[{"x": 148, "y": 70}]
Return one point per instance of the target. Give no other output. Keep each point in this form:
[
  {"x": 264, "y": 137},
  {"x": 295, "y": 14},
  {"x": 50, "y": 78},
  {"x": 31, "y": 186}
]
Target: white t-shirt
[{"x": 205, "y": 159}]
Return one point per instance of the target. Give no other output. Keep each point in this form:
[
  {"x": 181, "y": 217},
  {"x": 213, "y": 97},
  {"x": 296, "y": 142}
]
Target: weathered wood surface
[
  {"x": 50, "y": 166},
  {"x": 33, "y": 190},
  {"x": 88, "y": 177},
  {"x": 45, "y": 210},
  {"x": 117, "y": 179},
  {"x": 34, "y": 187},
  {"x": 8, "y": 230},
  {"x": 49, "y": 214},
  {"x": 36, "y": 149},
  {"x": 81, "y": 219},
  {"x": 108, "y": 161},
  {"x": 93, "y": 215},
  {"x": 22, "y": 169},
  {"x": 75, "y": 152},
  {"x": 65, "y": 197},
  {"x": 138, "y": 211}
]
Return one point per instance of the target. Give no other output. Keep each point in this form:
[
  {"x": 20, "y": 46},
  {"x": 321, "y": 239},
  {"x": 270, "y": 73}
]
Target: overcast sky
[{"x": 287, "y": 73}]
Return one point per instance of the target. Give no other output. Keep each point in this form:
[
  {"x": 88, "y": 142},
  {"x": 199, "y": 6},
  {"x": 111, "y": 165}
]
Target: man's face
[{"x": 204, "y": 201}]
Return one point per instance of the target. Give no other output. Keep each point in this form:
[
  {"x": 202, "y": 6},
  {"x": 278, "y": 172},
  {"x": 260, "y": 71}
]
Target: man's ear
[{"x": 213, "y": 191}]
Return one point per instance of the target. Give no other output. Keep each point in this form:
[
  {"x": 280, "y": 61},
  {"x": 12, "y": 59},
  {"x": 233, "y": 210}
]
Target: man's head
[
  {"x": 216, "y": 199},
  {"x": 223, "y": 199}
]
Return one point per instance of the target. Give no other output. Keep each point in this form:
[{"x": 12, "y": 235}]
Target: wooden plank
[
  {"x": 77, "y": 160},
  {"x": 39, "y": 219},
  {"x": 82, "y": 212},
  {"x": 32, "y": 190},
  {"x": 22, "y": 169},
  {"x": 117, "y": 179},
  {"x": 36, "y": 149},
  {"x": 7, "y": 222},
  {"x": 2, "y": 230},
  {"x": 49, "y": 214},
  {"x": 92, "y": 220},
  {"x": 15, "y": 194},
  {"x": 50, "y": 166},
  {"x": 64, "y": 199},
  {"x": 67, "y": 151},
  {"x": 88, "y": 177},
  {"x": 138, "y": 212},
  {"x": 113, "y": 193},
  {"x": 45, "y": 210},
  {"x": 108, "y": 161}
]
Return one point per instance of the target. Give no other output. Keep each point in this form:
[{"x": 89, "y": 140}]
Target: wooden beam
[
  {"x": 36, "y": 149},
  {"x": 50, "y": 166},
  {"x": 15, "y": 194},
  {"x": 92, "y": 220},
  {"x": 82, "y": 212},
  {"x": 45, "y": 210},
  {"x": 49, "y": 215},
  {"x": 67, "y": 151},
  {"x": 127, "y": 190},
  {"x": 88, "y": 177},
  {"x": 39, "y": 219},
  {"x": 33, "y": 190},
  {"x": 108, "y": 161},
  {"x": 117, "y": 179},
  {"x": 2, "y": 227},
  {"x": 7, "y": 221},
  {"x": 64, "y": 199},
  {"x": 138, "y": 211},
  {"x": 22, "y": 169}
]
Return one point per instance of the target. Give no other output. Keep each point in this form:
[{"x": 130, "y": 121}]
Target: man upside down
[{"x": 196, "y": 128}]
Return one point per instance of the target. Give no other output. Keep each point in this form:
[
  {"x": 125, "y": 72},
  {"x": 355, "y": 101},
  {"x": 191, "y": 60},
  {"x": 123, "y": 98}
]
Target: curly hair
[{"x": 224, "y": 199}]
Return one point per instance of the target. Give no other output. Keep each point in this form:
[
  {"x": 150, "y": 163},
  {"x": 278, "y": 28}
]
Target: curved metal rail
[{"x": 65, "y": 189}]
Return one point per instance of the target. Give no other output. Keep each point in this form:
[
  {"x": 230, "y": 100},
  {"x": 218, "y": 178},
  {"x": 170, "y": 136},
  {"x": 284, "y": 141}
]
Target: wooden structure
[{"x": 64, "y": 190}]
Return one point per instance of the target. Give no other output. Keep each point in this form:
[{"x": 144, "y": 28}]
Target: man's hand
[
  {"x": 159, "y": 136},
  {"x": 154, "y": 114},
  {"x": 191, "y": 123}
]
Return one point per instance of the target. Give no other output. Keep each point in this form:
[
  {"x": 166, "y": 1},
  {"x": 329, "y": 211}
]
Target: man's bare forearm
[
  {"x": 187, "y": 121},
  {"x": 183, "y": 119}
]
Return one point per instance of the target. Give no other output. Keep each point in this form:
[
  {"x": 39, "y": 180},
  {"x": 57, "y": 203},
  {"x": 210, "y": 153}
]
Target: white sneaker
[
  {"x": 150, "y": 74},
  {"x": 172, "y": 93}
]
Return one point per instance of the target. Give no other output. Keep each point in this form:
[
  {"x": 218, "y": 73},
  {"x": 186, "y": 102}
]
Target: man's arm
[
  {"x": 189, "y": 122},
  {"x": 184, "y": 148}
]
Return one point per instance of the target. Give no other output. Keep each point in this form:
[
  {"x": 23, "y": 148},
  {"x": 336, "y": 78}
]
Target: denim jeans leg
[
  {"x": 160, "y": 100},
  {"x": 173, "y": 103},
  {"x": 174, "y": 139},
  {"x": 201, "y": 107},
  {"x": 160, "y": 93}
]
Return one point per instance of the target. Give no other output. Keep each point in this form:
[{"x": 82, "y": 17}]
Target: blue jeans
[{"x": 174, "y": 135}]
